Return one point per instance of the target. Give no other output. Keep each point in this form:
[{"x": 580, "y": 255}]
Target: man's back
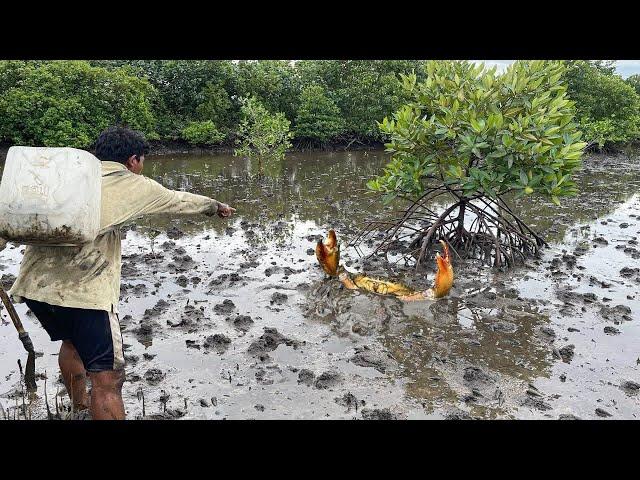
[{"x": 89, "y": 276}]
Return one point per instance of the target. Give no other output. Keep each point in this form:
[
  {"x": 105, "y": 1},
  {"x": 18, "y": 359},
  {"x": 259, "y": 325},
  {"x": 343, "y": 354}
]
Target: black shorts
[{"x": 94, "y": 333}]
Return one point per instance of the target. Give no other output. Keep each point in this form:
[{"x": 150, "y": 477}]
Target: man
[{"x": 74, "y": 291}]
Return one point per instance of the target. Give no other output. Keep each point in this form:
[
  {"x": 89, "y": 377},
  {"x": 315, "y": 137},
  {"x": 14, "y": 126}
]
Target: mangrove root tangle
[{"x": 475, "y": 227}]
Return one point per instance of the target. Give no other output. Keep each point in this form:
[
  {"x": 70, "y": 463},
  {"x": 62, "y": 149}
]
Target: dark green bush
[
  {"x": 319, "y": 118},
  {"x": 365, "y": 91},
  {"x": 68, "y": 103},
  {"x": 217, "y": 106},
  {"x": 607, "y": 107},
  {"x": 182, "y": 86},
  {"x": 274, "y": 83}
]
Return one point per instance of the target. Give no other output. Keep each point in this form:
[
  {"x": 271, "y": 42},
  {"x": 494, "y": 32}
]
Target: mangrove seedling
[
  {"x": 471, "y": 139},
  {"x": 153, "y": 234},
  {"x": 262, "y": 135}
]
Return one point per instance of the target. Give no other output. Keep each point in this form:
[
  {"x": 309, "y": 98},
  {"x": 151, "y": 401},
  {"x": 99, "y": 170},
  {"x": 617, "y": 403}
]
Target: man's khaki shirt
[{"x": 89, "y": 276}]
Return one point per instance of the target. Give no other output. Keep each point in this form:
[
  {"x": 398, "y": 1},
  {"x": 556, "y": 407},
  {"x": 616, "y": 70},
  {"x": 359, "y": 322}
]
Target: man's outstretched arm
[
  {"x": 144, "y": 196},
  {"x": 159, "y": 199}
]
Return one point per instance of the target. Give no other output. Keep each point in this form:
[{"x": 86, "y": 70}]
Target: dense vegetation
[
  {"x": 328, "y": 102},
  {"x": 608, "y": 107},
  {"x": 69, "y": 103},
  {"x": 198, "y": 102}
]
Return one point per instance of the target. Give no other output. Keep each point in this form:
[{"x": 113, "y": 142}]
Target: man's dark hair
[{"x": 117, "y": 144}]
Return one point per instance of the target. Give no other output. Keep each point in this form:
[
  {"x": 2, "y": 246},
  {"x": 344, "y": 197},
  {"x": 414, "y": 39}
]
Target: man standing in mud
[{"x": 74, "y": 291}]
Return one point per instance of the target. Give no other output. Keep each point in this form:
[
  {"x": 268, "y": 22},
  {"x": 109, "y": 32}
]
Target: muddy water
[{"x": 234, "y": 319}]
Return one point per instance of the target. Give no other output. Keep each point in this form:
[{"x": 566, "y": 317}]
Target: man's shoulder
[
  {"x": 111, "y": 173},
  {"x": 113, "y": 168},
  {"x": 135, "y": 184}
]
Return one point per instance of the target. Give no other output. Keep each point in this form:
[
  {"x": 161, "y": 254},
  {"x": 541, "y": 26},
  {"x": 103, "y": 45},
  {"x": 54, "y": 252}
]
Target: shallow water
[{"x": 485, "y": 351}]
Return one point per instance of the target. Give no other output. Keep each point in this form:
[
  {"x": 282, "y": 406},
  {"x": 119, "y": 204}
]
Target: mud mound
[
  {"x": 349, "y": 401},
  {"x": 457, "y": 414},
  {"x": 144, "y": 332},
  {"x": 7, "y": 280},
  {"x": 158, "y": 309},
  {"x": 534, "y": 401},
  {"x": 476, "y": 376},
  {"x": 225, "y": 279},
  {"x": 379, "y": 414},
  {"x": 174, "y": 233},
  {"x": 249, "y": 264},
  {"x": 547, "y": 333},
  {"x": 241, "y": 322},
  {"x": 278, "y": 298},
  {"x": 168, "y": 245},
  {"x": 138, "y": 290},
  {"x": 271, "y": 270},
  {"x": 269, "y": 341},
  {"x": 328, "y": 379},
  {"x": 611, "y": 330},
  {"x": 306, "y": 377},
  {"x": 630, "y": 388},
  {"x": 629, "y": 272},
  {"x": 181, "y": 263},
  {"x": 617, "y": 314},
  {"x": 568, "y": 416},
  {"x": 224, "y": 308},
  {"x": 154, "y": 376},
  {"x": 190, "y": 317},
  {"x": 218, "y": 342},
  {"x": 565, "y": 353}
]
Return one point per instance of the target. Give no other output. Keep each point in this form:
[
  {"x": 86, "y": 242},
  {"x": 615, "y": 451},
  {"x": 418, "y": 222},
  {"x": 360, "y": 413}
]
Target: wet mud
[{"x": 235, "y": 319}]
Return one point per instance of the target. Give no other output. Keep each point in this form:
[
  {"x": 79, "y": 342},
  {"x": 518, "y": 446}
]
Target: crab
[{"x": 328, "y": 255}]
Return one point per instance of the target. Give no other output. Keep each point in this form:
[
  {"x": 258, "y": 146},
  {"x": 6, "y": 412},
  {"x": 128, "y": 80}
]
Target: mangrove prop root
[{"x": 477, "y": 227}]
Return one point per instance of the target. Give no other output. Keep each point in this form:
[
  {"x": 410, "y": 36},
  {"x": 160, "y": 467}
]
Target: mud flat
[{"x": 236, "y": 320}]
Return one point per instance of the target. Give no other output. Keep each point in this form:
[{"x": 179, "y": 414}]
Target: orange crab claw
[
  {"x": 332, "y": 240},
  {"x": 328, "y": 254},
  {"x": 444, "y": 275}
]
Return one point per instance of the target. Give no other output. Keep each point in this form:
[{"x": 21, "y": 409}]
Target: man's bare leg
[
  {"x": 106, "y": 395},
  {"x": 74, "y": 375}
]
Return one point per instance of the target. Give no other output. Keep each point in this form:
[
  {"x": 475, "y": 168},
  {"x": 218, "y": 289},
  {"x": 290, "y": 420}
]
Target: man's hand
[{"x": 225, "y": 211}]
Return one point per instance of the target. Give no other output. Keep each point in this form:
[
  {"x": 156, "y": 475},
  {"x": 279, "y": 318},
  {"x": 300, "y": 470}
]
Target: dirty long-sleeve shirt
[{"x": 89, "y": 276}]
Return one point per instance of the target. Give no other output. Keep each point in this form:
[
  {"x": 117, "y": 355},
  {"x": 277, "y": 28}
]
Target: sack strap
[{"x": 117, "y": 172}]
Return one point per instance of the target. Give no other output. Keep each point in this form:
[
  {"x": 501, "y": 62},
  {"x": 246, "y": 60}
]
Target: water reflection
[
  {"x": 603, "y": 184},
  {"x": 329, "y": 188},
  {"x": 318, "y": 187}
]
